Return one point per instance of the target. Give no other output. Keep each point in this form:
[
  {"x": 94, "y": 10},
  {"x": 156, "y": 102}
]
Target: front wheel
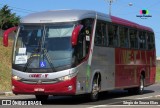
[{"x": 95, "y": 90}]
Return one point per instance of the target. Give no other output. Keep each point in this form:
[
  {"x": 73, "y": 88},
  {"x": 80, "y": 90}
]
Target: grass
[
  {"x": 158, "y": 74},
  {"x": 5, "y": 66}
]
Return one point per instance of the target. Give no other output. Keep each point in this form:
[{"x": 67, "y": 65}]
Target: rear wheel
[
  {"x": 140, "y": 89},
  {"x": 41, "y": 97}
]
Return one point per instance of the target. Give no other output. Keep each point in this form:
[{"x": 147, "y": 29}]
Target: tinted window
[
  {"x": 84, "y": 39},
  {"x": 100, "y": 35},
  {"x": 123, "y": 33},
  {"x": 113, "y": 35},
  {"x": 142, "y": 40},
  {"x": 133, "y": 38},
  {"x": 150, "y": 41}
]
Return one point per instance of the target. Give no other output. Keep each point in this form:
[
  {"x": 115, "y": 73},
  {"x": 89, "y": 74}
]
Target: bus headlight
[
  {"x": 16, "y": 78},
  {"x": 64, "y": 78}
]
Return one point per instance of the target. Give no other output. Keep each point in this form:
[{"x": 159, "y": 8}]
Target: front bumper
[{"x": 61, "y": 88}]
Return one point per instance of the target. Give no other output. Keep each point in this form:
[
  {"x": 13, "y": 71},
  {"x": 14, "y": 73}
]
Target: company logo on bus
[
  {"x": 144, "y": 14},
  {"x": 38, "y": 75}
]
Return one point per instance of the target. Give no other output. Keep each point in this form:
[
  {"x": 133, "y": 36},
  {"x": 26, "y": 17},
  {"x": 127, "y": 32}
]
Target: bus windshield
[{"x": 44, "y": 47}]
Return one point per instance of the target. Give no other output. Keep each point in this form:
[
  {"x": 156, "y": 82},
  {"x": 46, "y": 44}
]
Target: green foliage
[
  {"x": 158, "y": 74},
  {"x": 7, "y": 18}
]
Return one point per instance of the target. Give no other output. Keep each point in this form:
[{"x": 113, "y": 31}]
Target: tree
[{"x": 8, "y": 19}]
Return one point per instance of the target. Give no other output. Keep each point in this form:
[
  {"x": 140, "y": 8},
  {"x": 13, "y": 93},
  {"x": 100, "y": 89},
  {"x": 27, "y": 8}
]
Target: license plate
[{"x": 39, "y": 89}]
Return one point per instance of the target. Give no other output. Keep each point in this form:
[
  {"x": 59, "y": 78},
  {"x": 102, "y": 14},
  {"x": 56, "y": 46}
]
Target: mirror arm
[{"x": 6, "y": 34}]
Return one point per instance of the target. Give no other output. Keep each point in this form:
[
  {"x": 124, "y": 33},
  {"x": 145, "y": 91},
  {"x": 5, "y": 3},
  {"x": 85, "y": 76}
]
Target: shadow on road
[{"x": 104, "y": 98}]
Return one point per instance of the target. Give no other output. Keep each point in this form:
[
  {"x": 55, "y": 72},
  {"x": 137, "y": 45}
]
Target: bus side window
[
  {"x": 150, "y": 41},
  {"x": 113, "y": 35},
  {"x": 100, "y": 34},
  {"x": 110, "y": 35},
  {"x": 133, "y": 39},
  {"x": 142, "y": 40},
  {"x": 123, "y": 32}
]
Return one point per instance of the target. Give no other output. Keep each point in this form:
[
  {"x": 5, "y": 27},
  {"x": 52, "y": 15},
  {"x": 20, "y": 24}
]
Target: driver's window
[{"x": 84, "y": 39}]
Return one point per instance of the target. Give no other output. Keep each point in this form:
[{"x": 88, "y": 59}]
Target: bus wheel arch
[
  {"x": 143, "y": 74},
  {"x": 96, "y": 86}
]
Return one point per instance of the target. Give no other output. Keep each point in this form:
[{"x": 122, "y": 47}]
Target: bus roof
[
  {"x": 76, "y": 15},
  {"x": 63, "y": 16}
]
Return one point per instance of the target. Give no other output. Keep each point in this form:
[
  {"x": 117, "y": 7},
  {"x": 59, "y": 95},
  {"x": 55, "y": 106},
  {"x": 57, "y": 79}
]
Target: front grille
[{"x": 38, "y": 81}]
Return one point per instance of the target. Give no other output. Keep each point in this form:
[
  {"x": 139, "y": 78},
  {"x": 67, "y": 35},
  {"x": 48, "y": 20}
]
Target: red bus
[{"x": 72, "y": 52}]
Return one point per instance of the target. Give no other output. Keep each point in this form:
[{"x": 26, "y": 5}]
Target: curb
[{"x": 6, "y": 93}]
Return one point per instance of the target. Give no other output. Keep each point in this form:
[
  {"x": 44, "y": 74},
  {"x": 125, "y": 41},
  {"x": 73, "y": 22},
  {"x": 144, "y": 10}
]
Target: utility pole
[{"x": 110, "y": 5}]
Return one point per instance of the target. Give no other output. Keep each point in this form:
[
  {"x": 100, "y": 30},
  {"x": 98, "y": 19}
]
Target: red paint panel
[
  {"x": 129, "y": 23},
  {"x": 152, "y": 75},
  {"x": 130, "y": 64},
  {"x": 60, "y": 88}
]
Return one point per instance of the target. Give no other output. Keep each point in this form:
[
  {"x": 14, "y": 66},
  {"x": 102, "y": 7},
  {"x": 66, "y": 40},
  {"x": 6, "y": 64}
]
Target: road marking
[
  {"x": 157, "y": 96},
  {"x": 145, "y": 97},
  {"x": 101, "y": 106},
  {"x": 98, "y": 106}
]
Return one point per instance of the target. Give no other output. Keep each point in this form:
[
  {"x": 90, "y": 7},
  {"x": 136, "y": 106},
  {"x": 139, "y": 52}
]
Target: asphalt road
[{"x": 107, "y": 99}]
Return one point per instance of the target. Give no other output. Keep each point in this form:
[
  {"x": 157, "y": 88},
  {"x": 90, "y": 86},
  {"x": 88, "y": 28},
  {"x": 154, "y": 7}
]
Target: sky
[{"x": 120, "y": 8}]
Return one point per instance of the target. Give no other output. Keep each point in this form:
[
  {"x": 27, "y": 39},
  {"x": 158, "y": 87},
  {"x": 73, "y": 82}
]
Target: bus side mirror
[
  {"x": 75, "y": 34},
  {"x": 5, "y": 35}
]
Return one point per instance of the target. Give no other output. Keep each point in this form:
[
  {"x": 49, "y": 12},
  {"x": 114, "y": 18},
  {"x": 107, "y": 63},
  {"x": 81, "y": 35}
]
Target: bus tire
[
  {"x": 41, "y": 97},
  {"x": 95, "y": 89},
  {"x": 140, "y": 89}
]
